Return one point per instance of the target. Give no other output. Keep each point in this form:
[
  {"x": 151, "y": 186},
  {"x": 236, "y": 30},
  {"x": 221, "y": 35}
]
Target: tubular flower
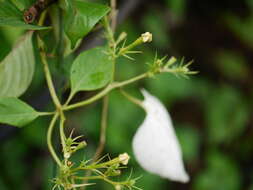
[{"x": 155, "y": 144}]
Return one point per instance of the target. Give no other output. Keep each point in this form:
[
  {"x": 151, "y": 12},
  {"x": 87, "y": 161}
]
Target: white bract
[{"x": 155, "y": 144}]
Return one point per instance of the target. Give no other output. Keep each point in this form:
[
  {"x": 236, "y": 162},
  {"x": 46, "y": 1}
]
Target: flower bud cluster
[
  {"x": 170, "y": 66},
  {"x": 72, "y": 146}
]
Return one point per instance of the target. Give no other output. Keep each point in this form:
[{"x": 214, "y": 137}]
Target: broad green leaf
[
  {"x": 23, "y": 4},
  {"x": 5, "y": 46},
  {"x": 15, "y": 112},
  {"x": 91, "y": 70},
  {"x": 10, "y": 15},
  {"x": 16, "y": 70},
  {"x": 81, "y": 18}
]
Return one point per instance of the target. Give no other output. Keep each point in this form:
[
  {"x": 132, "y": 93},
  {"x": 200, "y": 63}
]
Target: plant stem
[
  {"x": 132, "y": 99},
  {"x": 129, "y": 47},
  {"x": 97, "y": 166},
  {"x": 62, "y": 134},
  {"x": 113, "y": 15},
  {"x": 110, "y": 30},
  {"x": 102, "y": 139},
  {"x": 132, "y": 80},
  {"x": 101, "y": 94},
  {"x": 46, "y": 68},
  {"x": 49, "y": 139},
  {"x": 69, "y": 99},
  {"x": 46, "y": 113},
  {"x": 102, "y": 178},
  {"x": 48, "y": 77}
]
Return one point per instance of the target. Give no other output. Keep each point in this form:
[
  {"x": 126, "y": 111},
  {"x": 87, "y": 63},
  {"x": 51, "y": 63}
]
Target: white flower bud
[
  {"x": 146, "y": 37},
  {"x": 67, "y": 155},
  {"x": 155, "y": 144},
  {"x": 118, "y": 187},
  {"x": 124, "y": 158}
]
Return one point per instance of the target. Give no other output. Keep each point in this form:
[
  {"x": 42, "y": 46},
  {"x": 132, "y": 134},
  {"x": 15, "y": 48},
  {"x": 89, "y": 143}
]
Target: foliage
[
  {"x": 212, "y": 112},
  {"x": 91, "y": 70}
]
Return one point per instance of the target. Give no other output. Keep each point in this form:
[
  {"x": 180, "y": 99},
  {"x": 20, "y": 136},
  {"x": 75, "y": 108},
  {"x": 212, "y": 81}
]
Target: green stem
[
  {"x": 113, "y": 15},
  {"x": 131, "y": 46},
  {"x": 102, "y": 178},
  {"x": 132, "y": 99},
  {"x": 102, "y": 139},
  {"x": 97, "y": 166},
  {"x": 49, "y": 139},
  {"x": 62, "y": 134},
  {"x": 49, "y": 78},
  {"x": 69, "y": 99},
  {"x": 132, "y": 80},
  {"x": 46, "y": 113},
  {"x": 101, "y": 94}
]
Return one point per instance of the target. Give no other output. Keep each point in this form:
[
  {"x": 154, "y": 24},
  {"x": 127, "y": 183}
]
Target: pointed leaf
[
  {"x": 23, "y": 4},
  {"x": 15, "y": 112},
  {"x": 16, "y": 70},
  {"x": 91, "y": 70},
  {"x": 81, "y": 18}
]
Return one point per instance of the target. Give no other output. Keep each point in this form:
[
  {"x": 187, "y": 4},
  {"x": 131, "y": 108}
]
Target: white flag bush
[{"x": 155, "y": 144}]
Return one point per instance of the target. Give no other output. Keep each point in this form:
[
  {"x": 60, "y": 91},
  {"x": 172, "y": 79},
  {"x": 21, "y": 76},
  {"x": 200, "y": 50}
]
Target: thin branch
[
  {"x": 48, "y": 75},
  {"x": 49, "y": 139},
  {"x": 106, "y": 91},
  {"x": 114, "y": 13},
  {"x": 132, "y": 99},
  {"x": 104, "y": 119}
]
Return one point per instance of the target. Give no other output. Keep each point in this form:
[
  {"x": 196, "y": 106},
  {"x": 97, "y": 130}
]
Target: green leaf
[
  {"x": 10, "y": 15},
  {"x": 23, "y": 4},
  {"x": 15, "y": 112},
  {"x": 64, "y": 4},
  {"x": 91, "y": 70},
  {"x": 16, "y": 70},
  {"x": 81, "y": 18}
]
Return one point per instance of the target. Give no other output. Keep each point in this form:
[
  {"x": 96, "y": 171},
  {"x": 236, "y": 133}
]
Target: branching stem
[
  {"x": 49, "y": 139},
  {"x": 48, "y": 77},
  {"x": 104, "y": 119},
  {"x": 101, "y": 94}
]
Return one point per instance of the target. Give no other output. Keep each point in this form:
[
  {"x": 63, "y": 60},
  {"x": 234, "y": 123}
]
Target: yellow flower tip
[
  {"x": 124, "y": 158},
  {"x": 146, "y": 37}
]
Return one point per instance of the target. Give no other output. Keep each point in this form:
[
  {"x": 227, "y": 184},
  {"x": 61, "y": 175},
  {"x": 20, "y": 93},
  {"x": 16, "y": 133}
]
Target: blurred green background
[{"x": 211, "y": 111}]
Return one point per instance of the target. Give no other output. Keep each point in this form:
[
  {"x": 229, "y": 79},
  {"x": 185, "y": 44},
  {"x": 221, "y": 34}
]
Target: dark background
[{"x": 211, "y": 111}]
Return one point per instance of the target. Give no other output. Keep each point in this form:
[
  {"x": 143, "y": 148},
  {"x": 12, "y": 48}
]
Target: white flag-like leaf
[{"x": 155, "y": 144}]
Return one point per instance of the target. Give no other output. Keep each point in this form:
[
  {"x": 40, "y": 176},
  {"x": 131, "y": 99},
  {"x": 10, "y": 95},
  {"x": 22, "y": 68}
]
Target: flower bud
[
  {"x": 67, "y": 155},
  {"x": 146, "y": 37},
  {"x": 171, "y": 61},
  {"x": 124, "y": 158},
  {"x": 118, "y": 187},
  {"x": 121, "y": 37},
  {"x": 80, "y": 145}
]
